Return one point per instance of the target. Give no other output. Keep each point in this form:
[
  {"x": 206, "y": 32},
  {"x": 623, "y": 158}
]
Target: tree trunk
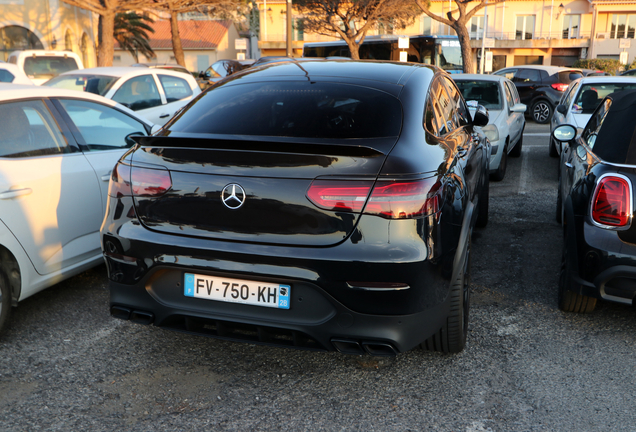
[
  {"x": 177, "y": 48},
  {"x": 354, "y": 48},
  {"x": 464, "y": 42},
  {"x": 106, "y": 39}
]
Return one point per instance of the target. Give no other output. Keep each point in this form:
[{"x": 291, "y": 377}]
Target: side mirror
[
  {"x": 480, "y": 118},
  {"x": 562, "y": 109},
  {"x": 155, "y": 128},
  {"x": 564, "y": 133},
  {"x": 519, "y": 108}
]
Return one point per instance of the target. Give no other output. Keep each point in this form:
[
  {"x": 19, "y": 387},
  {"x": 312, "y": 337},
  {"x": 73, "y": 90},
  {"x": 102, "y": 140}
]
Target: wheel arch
[{"x": 11, "y": 268}]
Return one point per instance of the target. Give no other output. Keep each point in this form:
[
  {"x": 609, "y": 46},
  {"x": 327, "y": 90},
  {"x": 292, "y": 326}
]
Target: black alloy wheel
[
  {"x": 570, "y": 301},
  {"x": 542, "y": 111}
]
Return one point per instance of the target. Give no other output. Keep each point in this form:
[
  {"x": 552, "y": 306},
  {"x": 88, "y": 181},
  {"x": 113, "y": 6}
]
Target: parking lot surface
[{"x": 65, "y": 364}]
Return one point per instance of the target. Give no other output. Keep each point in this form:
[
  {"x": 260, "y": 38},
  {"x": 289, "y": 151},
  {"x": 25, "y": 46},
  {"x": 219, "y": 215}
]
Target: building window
[
  {"x": 426, "y": 26},
  {"x": 571, "y": 26},
  {"x": 476, "y": 27},
  {"x": 623, "y": 26},
  {"x": 525, "y": 27}
]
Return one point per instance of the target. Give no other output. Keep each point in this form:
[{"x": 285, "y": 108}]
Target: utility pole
[{"x": 289, "y": 28}]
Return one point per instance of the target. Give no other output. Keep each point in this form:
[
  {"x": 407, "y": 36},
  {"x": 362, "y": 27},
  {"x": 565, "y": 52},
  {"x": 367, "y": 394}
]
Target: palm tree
[{"x": 131, "y": 33}]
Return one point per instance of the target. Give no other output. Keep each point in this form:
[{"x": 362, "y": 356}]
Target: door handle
[
  {"x": 106, "y": 177},
  {"x": 164, "y": 115},
  {"x": 15, "y": 193},
  {"x": 569, "y": 165}
]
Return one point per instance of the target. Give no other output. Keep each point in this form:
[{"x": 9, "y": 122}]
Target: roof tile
[{"x": 194, "y": 34}]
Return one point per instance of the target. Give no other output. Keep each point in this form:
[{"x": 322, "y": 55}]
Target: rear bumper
[
  {"x": 607, "y": 266},
  {"x": 315, "y": 320}
]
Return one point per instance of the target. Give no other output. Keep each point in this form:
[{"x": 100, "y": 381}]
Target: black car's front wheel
[
  {"x": 542, "y": 111},
  {"x": 570, "y": 301},
  {"x": 451, "y": 338}
]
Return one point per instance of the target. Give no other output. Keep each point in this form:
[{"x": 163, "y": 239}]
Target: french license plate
[{"x": 237, "y": 291}]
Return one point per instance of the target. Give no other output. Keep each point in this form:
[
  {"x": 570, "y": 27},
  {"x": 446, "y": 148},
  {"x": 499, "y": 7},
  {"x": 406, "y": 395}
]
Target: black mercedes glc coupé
[{"x": 323, "y": 205}]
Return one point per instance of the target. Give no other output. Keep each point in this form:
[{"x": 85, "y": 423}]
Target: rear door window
[
  {"x": 293, "y": 109},
  {"x": 28, "y": 130},
  {"x": 567, "y": 77},
  {"x": 174, "y": 88},
  {"x": 138, "y": 93},
  {"x": 6, "y": 76},
  {"x": 101, "y": 127},
  {"x": 508, "y": 73}
]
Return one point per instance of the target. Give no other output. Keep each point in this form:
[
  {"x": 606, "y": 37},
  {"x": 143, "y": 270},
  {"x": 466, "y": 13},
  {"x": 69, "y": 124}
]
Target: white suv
[{"x": 42, "y": 65}]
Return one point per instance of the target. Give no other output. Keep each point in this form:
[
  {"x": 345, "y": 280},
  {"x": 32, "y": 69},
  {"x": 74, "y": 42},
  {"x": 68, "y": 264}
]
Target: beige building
[
  {"x": 203, "y": 42},
  {"x": 46, "y": 24},
  {"x": 519, "y": 31}
]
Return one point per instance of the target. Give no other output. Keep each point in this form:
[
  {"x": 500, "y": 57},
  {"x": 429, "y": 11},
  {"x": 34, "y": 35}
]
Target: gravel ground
[{"x": 66, "y": 365}]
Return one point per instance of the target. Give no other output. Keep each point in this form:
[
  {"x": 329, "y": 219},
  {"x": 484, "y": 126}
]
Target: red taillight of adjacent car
[
  {"x": 139, "y": 182},
  {"x": 560, "y": 86},
  {"x": 388, "y": 199},
  {"x": 611, "y": 204}
]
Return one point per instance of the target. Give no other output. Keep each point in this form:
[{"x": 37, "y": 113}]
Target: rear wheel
[
  {"x": 570, "y": 301},
  {"x": 542, "y": 111},
  {"x": 5, "y": 300},
  {"x": 501, "y": 169},
  {"x": 451, "y": 338}
]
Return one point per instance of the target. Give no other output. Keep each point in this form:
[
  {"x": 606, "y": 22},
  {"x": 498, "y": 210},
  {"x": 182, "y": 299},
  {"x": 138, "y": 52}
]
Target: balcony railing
[{"x": 562, "y": 34}]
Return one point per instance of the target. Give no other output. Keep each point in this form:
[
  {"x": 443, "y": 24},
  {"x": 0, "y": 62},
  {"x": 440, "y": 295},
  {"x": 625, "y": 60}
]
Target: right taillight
[
  {"x": 611, "y": 202},
  {"x": 138, "y": 181},
  {"x": 388, "y": 199}
]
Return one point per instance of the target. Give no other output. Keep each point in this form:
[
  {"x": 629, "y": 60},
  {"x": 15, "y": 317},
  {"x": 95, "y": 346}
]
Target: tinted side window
[
  {"x": 568, "y": 96},
  {"x": 28, "y": 129},
  {"x": 138, "y": 93},
  {"x": 6, "y": 76},
  {"x": 593, "y": 126},
  {"x": 432, "y": 121},
  {"x": 508, "y": 73},
  {"x": 509, "y": 96},
  {"x": 101, "y": 127},
  {"x": 513, "y": 92},
  {"x": 175, "y": 88},
  {"x": 462, "y": 115},
  {"x": 568, "y": 76},
  {"x": 527, "y": 76}
]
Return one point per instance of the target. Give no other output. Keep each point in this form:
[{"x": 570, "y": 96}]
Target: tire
[
  {"x": 570, "y": 301},
  {"x": 553, "y": 150},
  {"x": 516, "y": 150},
  {"x": 5, "y": 300},
  {"x": 542, "y": 111},
  {"x": 484, "y": 204},
  {"x": 503, "y": 163},
  {"x": 451, "y": 338}
]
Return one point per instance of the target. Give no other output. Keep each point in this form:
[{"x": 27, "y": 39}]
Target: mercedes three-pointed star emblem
[{"x": 233, "y": 196}]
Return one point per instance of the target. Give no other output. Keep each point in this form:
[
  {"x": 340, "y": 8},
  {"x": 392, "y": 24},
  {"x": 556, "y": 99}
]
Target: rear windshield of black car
[
  {"x": 293, "y": 109},
  {"x": 567, "y": 77}
]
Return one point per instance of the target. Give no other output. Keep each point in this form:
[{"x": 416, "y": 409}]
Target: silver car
[
  {"x": 581, "y": 99},
  {"x": 507, "y": 121}
]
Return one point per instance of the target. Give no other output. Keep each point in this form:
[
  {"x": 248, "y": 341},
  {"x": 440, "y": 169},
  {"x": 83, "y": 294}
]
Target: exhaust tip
[
  {"x": 140, "y": 317},
  {"x": 345, "y": 346},
  {"x": 381, "y": 349},
  {"x": 120, "y": 312}
]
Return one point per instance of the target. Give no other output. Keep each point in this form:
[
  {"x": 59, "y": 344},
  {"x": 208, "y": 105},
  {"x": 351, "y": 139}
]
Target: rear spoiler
[{"x": 285, "y": 145}]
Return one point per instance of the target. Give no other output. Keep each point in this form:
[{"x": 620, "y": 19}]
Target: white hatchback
[
  {"x": 506, "y": 115},
  {"x": 155, "y": 94},
  {"x": 581, "y": 99},
  {"x": 57, "y": 151}
]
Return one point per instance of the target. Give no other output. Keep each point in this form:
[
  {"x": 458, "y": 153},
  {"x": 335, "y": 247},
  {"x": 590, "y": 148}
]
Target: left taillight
[
  {"x": 137, "y": 181},
  {"x": 612, "y": 202}
]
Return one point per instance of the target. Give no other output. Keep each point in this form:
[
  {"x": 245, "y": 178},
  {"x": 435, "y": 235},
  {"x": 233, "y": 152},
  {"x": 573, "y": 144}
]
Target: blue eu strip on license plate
[{"x": 231, "y": 290}]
